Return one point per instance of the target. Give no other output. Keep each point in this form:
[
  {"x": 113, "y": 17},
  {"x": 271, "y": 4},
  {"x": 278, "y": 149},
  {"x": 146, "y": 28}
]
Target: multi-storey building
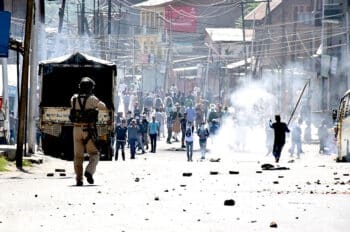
[
  {"x": 288, "y": 35},
  {"x": 173, "y": 36}
]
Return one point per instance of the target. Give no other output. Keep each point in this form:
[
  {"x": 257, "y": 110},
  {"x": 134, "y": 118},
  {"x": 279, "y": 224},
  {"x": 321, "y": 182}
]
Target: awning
[
  {"x": 152, "y": 3},
  {"x": 238, "y": 64},
  {"x": 189, "y": 77},
  {"x": 229, "y": 34},
  {"x": 182, "y": 69}
]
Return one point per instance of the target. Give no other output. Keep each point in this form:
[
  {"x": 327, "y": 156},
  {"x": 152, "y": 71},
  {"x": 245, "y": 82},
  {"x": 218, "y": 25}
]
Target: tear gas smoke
[{"x": 243, "y": 130}]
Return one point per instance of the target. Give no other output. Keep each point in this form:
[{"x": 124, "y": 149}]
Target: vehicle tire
[{"x": 49, "y": 145}]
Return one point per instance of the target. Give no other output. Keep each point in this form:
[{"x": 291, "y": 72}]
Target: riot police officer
[{"x": 84, "y": 114}]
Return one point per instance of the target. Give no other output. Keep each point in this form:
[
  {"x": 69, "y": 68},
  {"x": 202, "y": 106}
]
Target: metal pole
[
  {"x": 296, "y": 105},
  {"x": 347, "y": 46},
  {"x": 94, "y": 18},
  {"x": 35, "y": 41},
  {"x": 244, "y": 44},
  {"x": 61, "y": 15},
  {"x": 109, "y": 16},
  {"x": 133, "y": 53},
  {"x": 206, "y": 82},
  {"x": 24, "y": 85},
  {"x": 170, "y": 71},
  {"x": 82, "y": 19}
]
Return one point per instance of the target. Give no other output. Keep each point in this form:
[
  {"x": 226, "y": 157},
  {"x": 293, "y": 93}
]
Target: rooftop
[
  {"x": 229, "y": 34},
  {"x": 153, "y": 3},
  {"x": 259, "y": 13}
]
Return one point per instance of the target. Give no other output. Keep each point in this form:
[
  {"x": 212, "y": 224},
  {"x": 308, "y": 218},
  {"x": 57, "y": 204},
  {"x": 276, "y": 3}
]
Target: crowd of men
[
  {"x": 175, "y": 112},
  {"x": 175, "y": 118}
]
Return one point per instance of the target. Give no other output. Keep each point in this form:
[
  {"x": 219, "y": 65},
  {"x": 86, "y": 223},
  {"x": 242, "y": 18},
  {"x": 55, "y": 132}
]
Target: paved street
[{"x": 151, "y": 194}]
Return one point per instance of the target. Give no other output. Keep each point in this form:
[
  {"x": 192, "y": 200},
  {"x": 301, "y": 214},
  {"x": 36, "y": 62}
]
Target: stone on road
[{"x": 153, "y": 195}]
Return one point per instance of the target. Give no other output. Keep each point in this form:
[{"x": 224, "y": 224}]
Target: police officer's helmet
[{"x": 86, "y": 85}]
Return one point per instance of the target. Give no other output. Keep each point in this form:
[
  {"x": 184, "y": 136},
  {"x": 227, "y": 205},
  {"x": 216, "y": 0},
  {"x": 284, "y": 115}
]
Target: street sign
[{"x": 5, "y": 18}]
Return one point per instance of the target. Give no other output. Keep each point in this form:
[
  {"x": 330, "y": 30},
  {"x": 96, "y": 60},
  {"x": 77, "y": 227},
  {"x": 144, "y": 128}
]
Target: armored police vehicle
[{"x": 60, "y": 79}]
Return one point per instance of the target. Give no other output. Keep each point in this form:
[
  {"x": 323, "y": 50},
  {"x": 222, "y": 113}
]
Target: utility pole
[
  {"x": 133, "y": 53},
  {"x": 244, "y": 42},
  {"x": 282, "y": 86},
  {"x": 347, "y": 46},
  {"x": 82, "y": 19},
  {"x": 24, "y": 86},
  {"x": 207, "y": 73},
  {"x": 34, "y": 57},
  {"x": 61, "y": 15},
  {"x": 109, "y": 16},
  {"x": 170, "y": 68},
  {"x": 94, "y": 17},
  {"x": 168, "y": 65}
]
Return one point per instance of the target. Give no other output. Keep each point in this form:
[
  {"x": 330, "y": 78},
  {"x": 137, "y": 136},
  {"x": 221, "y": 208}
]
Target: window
[
  {"x": 161, "y": 20},
  {"x": 143, "y": 18},
  {"x": 303, "y": 14},
  {"x": 152, "y": 22}
]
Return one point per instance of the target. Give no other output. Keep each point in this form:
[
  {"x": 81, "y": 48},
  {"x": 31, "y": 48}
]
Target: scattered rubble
[
  {"x": 187, "y": 174},
  {"x": 234, "y": 172},
  {"x": 273, "y": 225},
  {"x": 229, "y": 202}
]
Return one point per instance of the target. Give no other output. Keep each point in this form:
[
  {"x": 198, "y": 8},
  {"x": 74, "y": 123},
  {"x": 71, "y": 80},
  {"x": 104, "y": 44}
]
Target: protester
[
  {"x": 140, "y": 132},
  {"x": 269, "y": 139},
  {"x": 144, "y": 131},
  {"x": 176, "y": 122},
  {"x": 323, "y": 135},
  {"x": 121, "y": 134},
  {"x": 183, "y": 123},
  {"x": 296, "y": 140},
  {"x": 199, "y": 115},
  {"x": 203, "y": 134},
  {"x": 153, "y": 130},
  {"x": 280, "y": 129},
  {"x": 160, "y": 117},
  {"x": 169, "y": 110},
  {"x": 214, "y": 126},
  {"x": 189, "y": 141},
  {"x": 133, "y": 137},
  {"x": 190, "y": 113}
]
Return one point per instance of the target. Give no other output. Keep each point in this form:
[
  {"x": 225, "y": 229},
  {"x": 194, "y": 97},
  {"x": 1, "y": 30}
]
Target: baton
[{"x": 296, "y": 105}]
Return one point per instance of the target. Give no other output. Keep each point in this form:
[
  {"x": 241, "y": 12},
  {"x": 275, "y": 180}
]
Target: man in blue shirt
[
  {"x": 190, "y": 114},
  {"x": 132, "y": 137},
  {"x": 120, "y": 131},
  {"x": 153, "y": 130}
]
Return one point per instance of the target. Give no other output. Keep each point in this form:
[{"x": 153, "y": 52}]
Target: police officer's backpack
[{"x": 83, "y": 115}]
